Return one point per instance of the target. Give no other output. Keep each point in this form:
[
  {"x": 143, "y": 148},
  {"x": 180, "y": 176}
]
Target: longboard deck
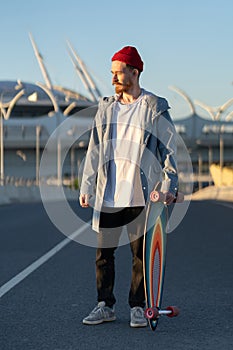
[{"x": 155, "y": 241}]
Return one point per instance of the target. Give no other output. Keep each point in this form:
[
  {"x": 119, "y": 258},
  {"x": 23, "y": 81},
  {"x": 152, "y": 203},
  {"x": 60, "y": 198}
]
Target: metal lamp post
[
  {"x": 57, "y": 114},
  {"x": 6, "y": 109},
  {"x": 38, "y": 129},
  {"x": 2, "y": 149}
]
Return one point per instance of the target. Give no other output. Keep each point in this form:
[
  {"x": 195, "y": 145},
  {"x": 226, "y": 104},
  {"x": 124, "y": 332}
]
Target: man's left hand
[{"x": 169, "y": 198}]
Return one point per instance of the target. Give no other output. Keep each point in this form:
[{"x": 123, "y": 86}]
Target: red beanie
[{"x": 129, "y": 55}]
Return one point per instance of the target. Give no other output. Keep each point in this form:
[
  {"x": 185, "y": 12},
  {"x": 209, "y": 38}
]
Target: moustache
[
  {"x": 116, "y": 83},
  {"x": 119, "y": 84}
]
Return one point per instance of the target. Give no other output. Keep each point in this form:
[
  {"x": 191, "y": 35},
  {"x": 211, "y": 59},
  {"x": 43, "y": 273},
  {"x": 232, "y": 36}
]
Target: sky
[{"x": 184, "y": 44}]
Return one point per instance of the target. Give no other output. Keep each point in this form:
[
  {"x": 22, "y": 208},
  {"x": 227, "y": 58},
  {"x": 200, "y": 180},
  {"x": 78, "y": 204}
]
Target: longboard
[
  {"x": 154, "y": 250},
  {"x": 155, "y": 241}
]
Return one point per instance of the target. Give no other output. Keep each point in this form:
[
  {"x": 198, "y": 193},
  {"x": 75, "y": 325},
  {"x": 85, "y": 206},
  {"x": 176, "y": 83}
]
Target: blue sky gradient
[{"x": 185, "y": 44}]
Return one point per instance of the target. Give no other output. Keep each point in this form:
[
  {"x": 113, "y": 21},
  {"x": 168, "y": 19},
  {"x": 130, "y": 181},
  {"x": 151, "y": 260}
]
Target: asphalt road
[{"x": 45, "y": 310}]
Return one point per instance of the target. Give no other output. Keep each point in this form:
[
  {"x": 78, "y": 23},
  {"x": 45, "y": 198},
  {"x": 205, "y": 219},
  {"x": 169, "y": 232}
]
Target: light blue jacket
[{"x": 157, "y": 157}]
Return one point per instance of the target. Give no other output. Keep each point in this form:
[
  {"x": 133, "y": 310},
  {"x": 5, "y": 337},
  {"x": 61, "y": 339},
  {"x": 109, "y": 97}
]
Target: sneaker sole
[
  {"x": 90, "y": 323},
  {"x": 138, "y": 325}
]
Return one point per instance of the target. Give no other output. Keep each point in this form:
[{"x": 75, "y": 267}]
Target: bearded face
[
  {"x": 123, "y": 85},
  {"x": 122, "y": 77}
]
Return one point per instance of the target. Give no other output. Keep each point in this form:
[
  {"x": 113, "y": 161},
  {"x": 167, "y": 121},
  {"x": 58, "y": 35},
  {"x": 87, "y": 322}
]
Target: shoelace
[
  {"x": 98, "y": 309},
  {"x": 139, "y": 312}
]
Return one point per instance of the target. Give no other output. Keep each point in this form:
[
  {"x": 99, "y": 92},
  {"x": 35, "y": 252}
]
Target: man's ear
[{"x": 136, "y": 73}]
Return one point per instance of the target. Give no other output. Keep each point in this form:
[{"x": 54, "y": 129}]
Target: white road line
[{"x": 26, "y": 272}]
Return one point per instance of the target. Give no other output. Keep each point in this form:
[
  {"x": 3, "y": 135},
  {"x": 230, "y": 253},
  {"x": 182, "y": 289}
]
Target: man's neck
[{"x": 130, "y": 96}]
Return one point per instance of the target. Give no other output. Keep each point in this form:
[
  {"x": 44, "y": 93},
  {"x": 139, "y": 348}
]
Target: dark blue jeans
[{"x": 111, "y": 223}]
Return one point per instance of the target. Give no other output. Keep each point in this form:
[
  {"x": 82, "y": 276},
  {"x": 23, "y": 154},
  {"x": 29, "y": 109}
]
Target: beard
[{"x": 122, "y": 87}]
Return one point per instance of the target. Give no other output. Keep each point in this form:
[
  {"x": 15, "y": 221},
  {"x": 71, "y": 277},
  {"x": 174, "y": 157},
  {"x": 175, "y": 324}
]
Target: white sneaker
[
  {"x": 137, "y": 317},
  {"x": 101, "y": 313}
]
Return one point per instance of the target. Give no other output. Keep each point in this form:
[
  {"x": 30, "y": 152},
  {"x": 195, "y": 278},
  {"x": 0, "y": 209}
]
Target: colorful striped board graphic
[{"x": 155, "y": 256}]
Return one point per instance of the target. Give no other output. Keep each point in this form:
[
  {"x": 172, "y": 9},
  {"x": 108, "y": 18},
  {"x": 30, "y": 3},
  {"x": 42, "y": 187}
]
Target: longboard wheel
[
  {"x": 174, "y": 311},
  {"x": 156, "y": 196},
  {"x": 152, "y": 313}
]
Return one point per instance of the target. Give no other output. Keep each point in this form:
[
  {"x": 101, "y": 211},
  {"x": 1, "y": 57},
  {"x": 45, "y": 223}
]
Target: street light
[
  {"x": 6, "y": 109},
  {"x": 57, "y": 114},
  {"x": 38, "y": 129}
]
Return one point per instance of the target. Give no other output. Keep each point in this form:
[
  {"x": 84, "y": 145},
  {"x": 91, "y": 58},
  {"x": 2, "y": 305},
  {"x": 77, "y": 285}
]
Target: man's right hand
[{"x": 84, "y": 200}]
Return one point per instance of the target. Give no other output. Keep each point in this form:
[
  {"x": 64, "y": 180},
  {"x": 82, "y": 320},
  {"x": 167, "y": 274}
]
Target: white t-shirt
[{"x": 124, "y": 184}]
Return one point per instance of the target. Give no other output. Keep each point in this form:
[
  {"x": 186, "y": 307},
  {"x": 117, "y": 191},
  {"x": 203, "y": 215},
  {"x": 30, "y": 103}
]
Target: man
[{"x": 132, "y": 147}]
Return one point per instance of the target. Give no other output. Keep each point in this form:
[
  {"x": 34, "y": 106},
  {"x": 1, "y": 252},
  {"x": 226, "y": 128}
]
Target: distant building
[
  {"x": 35, "y": 116},
  {"x": 208, "y": 142},
  {"x": 203, "y": 136},
  {"x": 33, "y": 119}
]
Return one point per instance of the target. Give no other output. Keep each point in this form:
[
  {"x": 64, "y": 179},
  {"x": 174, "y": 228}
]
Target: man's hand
[
  {"x": 84, "y": 200},
  {"x": 169, "y": 198}
]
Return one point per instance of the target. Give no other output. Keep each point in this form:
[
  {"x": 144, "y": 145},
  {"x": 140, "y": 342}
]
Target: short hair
[{"x": 132, "y": 68}]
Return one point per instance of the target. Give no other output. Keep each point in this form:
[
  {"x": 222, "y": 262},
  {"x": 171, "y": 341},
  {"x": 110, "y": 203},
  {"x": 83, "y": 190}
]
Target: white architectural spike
[
  {"x": 83, "y": 67},
  {"x": 186, "y": 97},
  {"x": 40, "y": 60},
  {"x": 82, "y": 77},
  {"x": 223, "y": 108},
  {"x": 207, "y": 108}
]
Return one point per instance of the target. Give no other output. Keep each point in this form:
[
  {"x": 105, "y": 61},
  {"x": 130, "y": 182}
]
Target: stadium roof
[{"x": 34, "y": 93}]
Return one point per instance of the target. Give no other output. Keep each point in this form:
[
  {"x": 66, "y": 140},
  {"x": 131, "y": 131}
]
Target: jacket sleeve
[
  {"x": 93, "y": 156},
  {"x": 89, "y": 173},
  {"x": 167, "y": 148}
]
